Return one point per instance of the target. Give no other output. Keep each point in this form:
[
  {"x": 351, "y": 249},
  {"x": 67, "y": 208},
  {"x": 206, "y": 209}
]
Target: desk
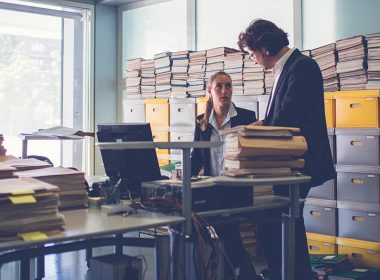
[
  {"x": 81, "y": 230},
  {"x": 26, "y": 137}
]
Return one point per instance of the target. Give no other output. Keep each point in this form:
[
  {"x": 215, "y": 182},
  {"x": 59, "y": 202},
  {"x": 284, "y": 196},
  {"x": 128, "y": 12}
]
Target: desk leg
[
  {"x": 288, "y": 234},
  {"x": 40, "y": 267},
  {"x": 186, "y": 190},
  {"x": 24, "y": 148},
  {"x": 88, "y": 256},
  {"x": 25, "y": 268},
  {"x": 119, "y": 244}
]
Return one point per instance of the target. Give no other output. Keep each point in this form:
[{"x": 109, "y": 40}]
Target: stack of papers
[
  {"x": 72, "y": 193},
  {"x": 197, "y": 69},
  {"x": 24, "y": 164},
  {"x": 133, "y": 76},
  {"x": 233, "y": 65},
  {"x": 215, "y": 60},
  {"x": 162, "y": 65},
  {"x": 28, "y": 205},
  {"x": 6, "y": 171},
  {"x": 180, "y": 65},
  {"x": 148, "y": 79},
  {"x": 373, "y": 45},
  {"x": 269, "y": 81},
  {"x": 253, "y": 77}
]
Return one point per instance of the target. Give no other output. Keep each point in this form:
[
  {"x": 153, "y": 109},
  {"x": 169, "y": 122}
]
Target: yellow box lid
[
  {"x": 358, "y": 243},
  {"x": 329, "y": 95},
  {"x": 357, "y": 93},
  {"x": 160, "y": 128},
  {"x": 321, "y": 237},
  {"x": 157, "y": 100},
  {"x": 202, "y": 99}
]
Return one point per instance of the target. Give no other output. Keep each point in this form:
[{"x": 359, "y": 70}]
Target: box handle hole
[
  {"x": 357, "y": 181},
  {"x": 355, "y": 105},
  {"x": 357, "y": 256},
  {"x": 358, "y": 218},
  {"x": 314, "y": 248},
  {"x": 356, "y": 143},
  {"x": 315, "y": 213}
]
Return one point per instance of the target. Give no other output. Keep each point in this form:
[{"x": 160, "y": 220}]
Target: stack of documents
[
  {"x": 253, "y": 77},
  {"x": 180, "y": 65},
  {"x": 263, "y": 151},
  {"x": 3, "y": 151},
  {"x": 162, "y": 64},
  {"x": 148, "y": 79},
  {"x": 196, "y": 72},
  {"x": 6, "y": 171},
  {"x": 215, "y": 60},
  {"x": 24, "y": 164},
  {"x": 351, "y": 65},
  {"x": 373, "y": 45},
  {"x": 72, "y": 193},
  {"x": 269, "y": 81},
  {"x": 133, "y": 76},
  {"x": 326, "y": 58},
  {"x": 233, "y": 65},
  {"x": 28, "y": 206}
]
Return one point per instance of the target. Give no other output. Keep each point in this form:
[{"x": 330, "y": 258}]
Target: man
[{"x": 296, "y": 101}]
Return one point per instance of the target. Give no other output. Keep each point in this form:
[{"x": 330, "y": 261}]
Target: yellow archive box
[
  {"x": 357, "y": 108},
  {"x": 330, "y": 109},
  {"x": 201, "y": 105},
  {"x": 321, "y": 244},
  {"x": 360, "y": 253},
  {"x": 161, "y": 134},
  {"x": 157, "y": 111}
]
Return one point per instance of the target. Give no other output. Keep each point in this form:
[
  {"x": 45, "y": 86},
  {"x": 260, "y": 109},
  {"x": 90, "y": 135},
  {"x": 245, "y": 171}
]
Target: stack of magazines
[
  {"x": 148, "y": 79},
  {"x": 133, "y": 77},
  {"x": 253, "y": 77},
  {"x": 373, "y": 45}
]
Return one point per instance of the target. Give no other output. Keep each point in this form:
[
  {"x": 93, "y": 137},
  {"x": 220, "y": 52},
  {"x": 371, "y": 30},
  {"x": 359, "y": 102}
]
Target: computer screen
[{"x": 133, "y": 166}]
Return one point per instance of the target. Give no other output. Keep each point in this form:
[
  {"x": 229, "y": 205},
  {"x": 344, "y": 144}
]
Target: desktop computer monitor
[{"x": 132, "y": 166}]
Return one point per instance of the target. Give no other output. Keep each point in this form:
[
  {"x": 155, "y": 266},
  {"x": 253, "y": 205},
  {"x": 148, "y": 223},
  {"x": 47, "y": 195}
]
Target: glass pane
[{"x": 219, "y": 22}]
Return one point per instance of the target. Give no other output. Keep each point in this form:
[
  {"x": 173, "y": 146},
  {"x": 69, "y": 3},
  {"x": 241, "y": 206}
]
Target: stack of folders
[
  {"x": 3, "y": 151},
  {"x": 28, "y": 206},
  {"x": 233, "y": 65},
  {"x": 180, "y": 65},
  {"x": 373, "y": 45},
  {"x": 263, "y": 151},
  {"x": 162, "y": 65},
  {"x": 327, "y": 264},
  {"x": 6, "y": 171},
  {"x": 268, "y": 81},
  {"x": 133, "y": 75},
  {"x": 197, "y": 69},
  {"x": 148, "y": 79},
  {"x": 325, "y": 56},
  {"x": 24, "y": 164},
  {"x": 72, "y": 193},
  {"x": 253, "y": 77},
  {"x": 215, "y": 60},
  {"x": 351, "y": 65}
]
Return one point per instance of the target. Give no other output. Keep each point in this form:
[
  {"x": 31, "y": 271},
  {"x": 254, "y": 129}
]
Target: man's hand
[{"x": 258, "y": 123}]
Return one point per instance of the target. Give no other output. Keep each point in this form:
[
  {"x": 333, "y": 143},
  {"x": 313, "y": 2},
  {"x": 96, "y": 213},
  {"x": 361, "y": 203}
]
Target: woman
[{"x": 220, "y": 114}]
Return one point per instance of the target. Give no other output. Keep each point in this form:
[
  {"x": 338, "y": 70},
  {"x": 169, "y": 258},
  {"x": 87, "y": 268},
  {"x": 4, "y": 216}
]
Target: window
[{"x": 43, "y": 77}]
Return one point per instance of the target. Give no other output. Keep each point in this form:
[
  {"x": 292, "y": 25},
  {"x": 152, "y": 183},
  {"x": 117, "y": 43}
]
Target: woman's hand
[{"x": 258, "y": 123}]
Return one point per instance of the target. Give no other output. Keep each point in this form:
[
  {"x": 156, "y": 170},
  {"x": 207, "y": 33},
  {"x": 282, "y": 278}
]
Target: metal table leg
[
  {"x": 40, "y": 267},
  {"x": 25, "y": 268}
]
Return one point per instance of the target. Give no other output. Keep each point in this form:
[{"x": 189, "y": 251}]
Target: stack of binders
[
  {"x": 197, "y": 69},
  {"x": 162, "y": 65},
  {"x": 148, "y": 79},
  {"x": 260, "y": 151},
  {"x": 133, "y": 77},
  {"x": 180, "y": 65},
  {"x": 373, "y": 46}
]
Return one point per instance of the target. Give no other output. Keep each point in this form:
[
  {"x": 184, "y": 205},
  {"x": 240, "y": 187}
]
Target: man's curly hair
[{"x": 262, "y": 34}]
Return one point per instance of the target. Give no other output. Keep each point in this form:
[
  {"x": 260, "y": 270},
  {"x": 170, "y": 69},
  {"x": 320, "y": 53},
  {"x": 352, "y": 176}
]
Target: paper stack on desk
[
  {"x": 24, "y": 164},
  {"x": 28, "y": 205},
  {"x": 263, "y": 151},
  {"x": 72, "y": 193}
]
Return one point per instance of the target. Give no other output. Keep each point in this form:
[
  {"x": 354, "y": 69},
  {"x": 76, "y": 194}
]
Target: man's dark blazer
[
  {"x": 298, "y": 102},
  {"x": 201, "y": 157}
]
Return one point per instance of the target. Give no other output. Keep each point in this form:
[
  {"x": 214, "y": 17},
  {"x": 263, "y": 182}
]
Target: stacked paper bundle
[
  {"x": 180, "y": 65},
  {"x": 72, "y": 193},
  {"x": 23, "y": 164},
  {"x": 325, "y": 56},
  {"x": 28, "y": 206},
  {"x": 215, "y": 60},
  {"x": 373, "y": 45},
  {"x": 253, "y": 77},
  {"x": 351, "y": 65},
  {"x": 263, "y": 151},
  {"x": 197, "y": 69},
  {"x": 269, "y": 81},
  {"x": 162, "y": 64},
  {"x": 148, "y": 79},
  {"x": 133, "y": 74},
  {"x": 233, "y": 65}
]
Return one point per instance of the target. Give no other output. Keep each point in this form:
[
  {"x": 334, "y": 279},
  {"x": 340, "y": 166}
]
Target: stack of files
[
  {"x": 325, "y": 264},
  {"x": 306, "y": 52},
  {"x": 72, "y": 193},
  {"x": 24, "y": 164},
  {"x": 148, "y": 79},
  {"x": 351, "y": 65},
  {"x": 233, "y": 65},
  {"x": 253, "y": 77},
  {"x": 215, "y": 59},
  {"x": 3, "y": 151},
  {"x": 325, "y": 56},
  {"x": 162, "y": 65},
  {"x": 133, "y": 77},
  {"x": 180, "y": 65},
  {"x": 28, "y": 205},
  {"x": 263, "y": 151},
  {"x": 358, "y": 273},
  {"x": 6, "y": 171},
  {"x": 373, "y": 46},
  {"x": 269, "y": 81},
  {"x": 196, "y": 74}
]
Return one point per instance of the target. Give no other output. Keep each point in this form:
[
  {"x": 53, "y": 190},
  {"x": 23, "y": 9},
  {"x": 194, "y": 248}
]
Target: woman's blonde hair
[{"x": 209, "y": 104}]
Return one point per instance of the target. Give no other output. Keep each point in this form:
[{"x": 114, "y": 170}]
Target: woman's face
[{"x": 221, "y": 91}]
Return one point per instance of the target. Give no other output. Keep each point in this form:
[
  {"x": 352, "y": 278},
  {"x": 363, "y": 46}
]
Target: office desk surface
[{"x": 89, "y": 223}]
